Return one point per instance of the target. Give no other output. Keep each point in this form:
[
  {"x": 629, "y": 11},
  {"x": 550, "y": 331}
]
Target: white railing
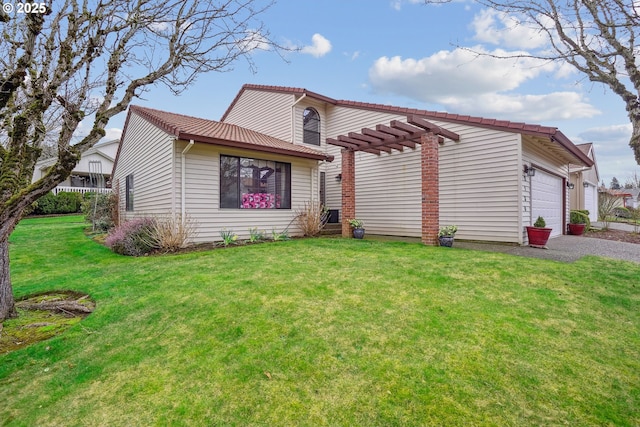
[{"x": 81, "y": 190}]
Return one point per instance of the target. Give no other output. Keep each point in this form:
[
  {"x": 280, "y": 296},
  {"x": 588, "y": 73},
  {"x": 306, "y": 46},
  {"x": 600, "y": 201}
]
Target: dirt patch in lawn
[
  {"x": 617, "y": 235},
  {"x": 43, "y": 316}
]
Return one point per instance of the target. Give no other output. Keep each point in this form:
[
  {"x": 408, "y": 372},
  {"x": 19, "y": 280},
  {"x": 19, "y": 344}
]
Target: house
[
  {"x": 634, "y": 200},
  {"x": 91, "y": 174},
  {"x": 403, "y": 171},
  {"x": 490, "y": 177},
  {"x": 583, "y": 182},
  {"x": 219, "y": 175}
]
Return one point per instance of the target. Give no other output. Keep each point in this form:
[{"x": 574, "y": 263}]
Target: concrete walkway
[
  {"x": 615, "y": 226},
  {"x": 565, "y": 249}
]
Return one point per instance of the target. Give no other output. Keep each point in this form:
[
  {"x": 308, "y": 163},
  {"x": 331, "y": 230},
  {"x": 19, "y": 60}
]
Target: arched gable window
[{"x": 311, "y": 126}]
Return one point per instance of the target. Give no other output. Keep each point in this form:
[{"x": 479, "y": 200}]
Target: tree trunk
[{"x": 7, "y": 303}]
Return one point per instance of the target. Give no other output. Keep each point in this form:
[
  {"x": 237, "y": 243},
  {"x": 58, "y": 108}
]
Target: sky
[{"x": 408, "y": 54}]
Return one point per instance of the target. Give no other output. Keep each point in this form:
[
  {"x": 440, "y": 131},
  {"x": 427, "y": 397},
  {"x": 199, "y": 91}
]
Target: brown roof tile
[
  {"x": 552, "y": 133},
  {"x": 225, "y": 134}
]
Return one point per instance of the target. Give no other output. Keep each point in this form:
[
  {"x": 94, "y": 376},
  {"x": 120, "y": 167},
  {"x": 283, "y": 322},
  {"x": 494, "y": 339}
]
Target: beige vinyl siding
[
  {"x": 266, "y": 112},
  {"x": 203, "y": 187},
  {"x": 146, "y": 153},
  {"x": 534, "y": 152},
  {"x": 479, "y": 181}
]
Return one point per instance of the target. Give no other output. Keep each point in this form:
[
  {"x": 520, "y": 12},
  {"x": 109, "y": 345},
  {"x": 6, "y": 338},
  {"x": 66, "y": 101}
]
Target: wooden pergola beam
[{"x": 424, "y": 124}]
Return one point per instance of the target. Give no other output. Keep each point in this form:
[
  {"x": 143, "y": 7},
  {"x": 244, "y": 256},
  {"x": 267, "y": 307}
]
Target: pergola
[{"x": 398, "y": 135}]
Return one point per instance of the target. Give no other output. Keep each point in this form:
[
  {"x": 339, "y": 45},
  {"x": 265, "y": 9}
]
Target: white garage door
[
  {"x": 590, "y": 202},
  {"x": 546, "y": 200}
]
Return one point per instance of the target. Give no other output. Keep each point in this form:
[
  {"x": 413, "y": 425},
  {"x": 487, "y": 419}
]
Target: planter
[
  {"x": 577, "y": 229},
  {"x": 446, "y": 241},
  {"x": 358, "y": 233},
  {"x": 538, "y": 236}
]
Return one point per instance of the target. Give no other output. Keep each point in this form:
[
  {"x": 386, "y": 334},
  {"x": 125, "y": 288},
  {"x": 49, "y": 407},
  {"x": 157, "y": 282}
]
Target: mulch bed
[{"x": 617, "y": 235}]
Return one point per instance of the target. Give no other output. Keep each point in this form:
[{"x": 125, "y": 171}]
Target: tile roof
[
  {"x": 225, "y": 134},
  {"x": 552, "y": 133}
]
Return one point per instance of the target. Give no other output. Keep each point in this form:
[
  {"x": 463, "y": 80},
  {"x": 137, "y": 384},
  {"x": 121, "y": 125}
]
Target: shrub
[
  {"x": 171, "y": 233},
  {"x": 63, "y": 203},
  {"x": 99, "y": 210},
  {"x": 311, "y": 218},
  {"x": 540, "y": 222},
  {"x": 68, "y": 202},
  {"x": 578, "y": 217},
  {"x": 621, "y": 212},
  {"x": 132, "y": 238},
  {"x": 606, "y": 205}
]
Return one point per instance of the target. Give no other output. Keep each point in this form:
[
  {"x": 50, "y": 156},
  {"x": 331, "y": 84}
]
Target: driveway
[{"x": 565, "y": 249}]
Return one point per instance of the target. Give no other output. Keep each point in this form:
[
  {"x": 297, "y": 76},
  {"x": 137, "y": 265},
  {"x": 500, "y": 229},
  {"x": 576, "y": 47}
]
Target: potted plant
[
  {"x": 577, "y": 222},
  {"x": 446, "y": 235},
  {"x": 538, "y": 234},
  {"x": 358, "y": 228}
]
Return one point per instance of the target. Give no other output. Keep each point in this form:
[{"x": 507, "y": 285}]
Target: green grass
[{"x": 324, "y": 332}]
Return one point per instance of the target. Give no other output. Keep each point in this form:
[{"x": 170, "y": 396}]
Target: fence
[{"x": 81, "y": 190}]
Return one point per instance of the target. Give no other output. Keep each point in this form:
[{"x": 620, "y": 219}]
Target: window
[
  {"x": 129, "y": 193},
  {"x": 311, "y": 126},
  {"x": 254, "y": 184}
]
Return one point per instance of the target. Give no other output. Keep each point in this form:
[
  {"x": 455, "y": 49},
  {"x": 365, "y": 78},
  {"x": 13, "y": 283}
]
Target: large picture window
[{"x": 254, "y": 184}]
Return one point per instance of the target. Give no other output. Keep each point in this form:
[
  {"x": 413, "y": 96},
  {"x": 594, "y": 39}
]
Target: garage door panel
[
  {"x": 546, "y": 200},
  {"x": 590, "y": 202}
]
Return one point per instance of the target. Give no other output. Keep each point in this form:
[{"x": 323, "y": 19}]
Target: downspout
[
  {"x": 183, "y": 183},
  {"x": 293, "y": 118}
]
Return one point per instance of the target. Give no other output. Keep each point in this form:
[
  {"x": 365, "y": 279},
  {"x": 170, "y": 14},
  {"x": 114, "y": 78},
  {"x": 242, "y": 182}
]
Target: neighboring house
[
  {"x": 92, "y": 173},
  {"x": 490, "y": 177},
  {"x": 632, "y": 201},
  {"x": 584, "y": 180},
  {"x": 218, "y": 175},
  {"x": 403, "y": 171}
]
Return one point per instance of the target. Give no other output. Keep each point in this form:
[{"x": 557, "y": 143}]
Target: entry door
[{"x": 546, "y": 200}]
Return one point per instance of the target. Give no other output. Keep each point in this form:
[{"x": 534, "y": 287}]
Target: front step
[{"x": 331, "y": 229}]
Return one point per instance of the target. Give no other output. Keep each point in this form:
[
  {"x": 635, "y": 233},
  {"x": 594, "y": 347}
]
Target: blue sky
[{"x": 405, "y": 53}]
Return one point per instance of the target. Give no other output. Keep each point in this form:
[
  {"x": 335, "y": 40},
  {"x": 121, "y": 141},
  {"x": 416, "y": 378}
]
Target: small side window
[{"x": 129, "y": 193}]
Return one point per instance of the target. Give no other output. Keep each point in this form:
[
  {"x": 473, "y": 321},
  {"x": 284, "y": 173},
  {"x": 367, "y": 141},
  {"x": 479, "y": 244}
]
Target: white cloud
[
  {"x": 613, "y": 154},
  {"x": 254, "y": 40},
  {"x": 528, "y": 108},
  {"x": 320, "y": 46},
  {"x": 499, "y": 28},
  {"x": 454, "y": 72},
  {"x": 111, "y": 134},
  {"x": 466, "y": 83}
]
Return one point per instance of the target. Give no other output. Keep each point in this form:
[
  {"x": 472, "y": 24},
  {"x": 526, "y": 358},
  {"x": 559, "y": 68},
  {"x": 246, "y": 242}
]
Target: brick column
[
  {"x": 348, "y": 190},
  {"x": 430, "y": 190}
]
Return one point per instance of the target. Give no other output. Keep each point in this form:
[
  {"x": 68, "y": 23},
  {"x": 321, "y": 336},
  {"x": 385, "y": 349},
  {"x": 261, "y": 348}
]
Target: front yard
[{"x": 324, "y": 332}]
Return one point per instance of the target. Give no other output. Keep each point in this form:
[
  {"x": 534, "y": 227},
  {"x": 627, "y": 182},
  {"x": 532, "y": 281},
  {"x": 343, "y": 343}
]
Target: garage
[
  {"x": 546, "y": 200},
  {"x": 591, "y": 201}
]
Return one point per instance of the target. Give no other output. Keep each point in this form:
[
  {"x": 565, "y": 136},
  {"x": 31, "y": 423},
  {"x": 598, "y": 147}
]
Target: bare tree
[
  {"x": 597, "y": 37},
  {"x": 71, "y": 61}
]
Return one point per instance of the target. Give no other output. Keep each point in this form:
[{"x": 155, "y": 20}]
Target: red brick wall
[
  {"x": 430, "y": 191},
  {"x": 348, "y": 190}
]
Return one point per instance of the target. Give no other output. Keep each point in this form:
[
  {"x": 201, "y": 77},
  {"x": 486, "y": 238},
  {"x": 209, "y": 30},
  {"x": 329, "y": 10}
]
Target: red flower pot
[
  {"x": 577, "y": 229},
  {"x": 538, "y": 237}
]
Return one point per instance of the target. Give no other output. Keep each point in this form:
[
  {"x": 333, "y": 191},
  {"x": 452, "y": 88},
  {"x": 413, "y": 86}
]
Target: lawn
[{"x": 324, "y": 332}]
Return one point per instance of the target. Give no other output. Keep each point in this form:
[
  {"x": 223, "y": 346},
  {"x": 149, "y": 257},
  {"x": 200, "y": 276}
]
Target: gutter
[
  {"x": 183, "y": 181},
  {"x": 304, "y": 95}
]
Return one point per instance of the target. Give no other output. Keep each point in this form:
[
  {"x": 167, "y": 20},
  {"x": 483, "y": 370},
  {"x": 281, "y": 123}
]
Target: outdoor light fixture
[
  {"x": 585, "y": 184},
  {"x": 529, "y": 170},
  {"x": 570, "y": 185},
  {"x": 339, "y": 177}
]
